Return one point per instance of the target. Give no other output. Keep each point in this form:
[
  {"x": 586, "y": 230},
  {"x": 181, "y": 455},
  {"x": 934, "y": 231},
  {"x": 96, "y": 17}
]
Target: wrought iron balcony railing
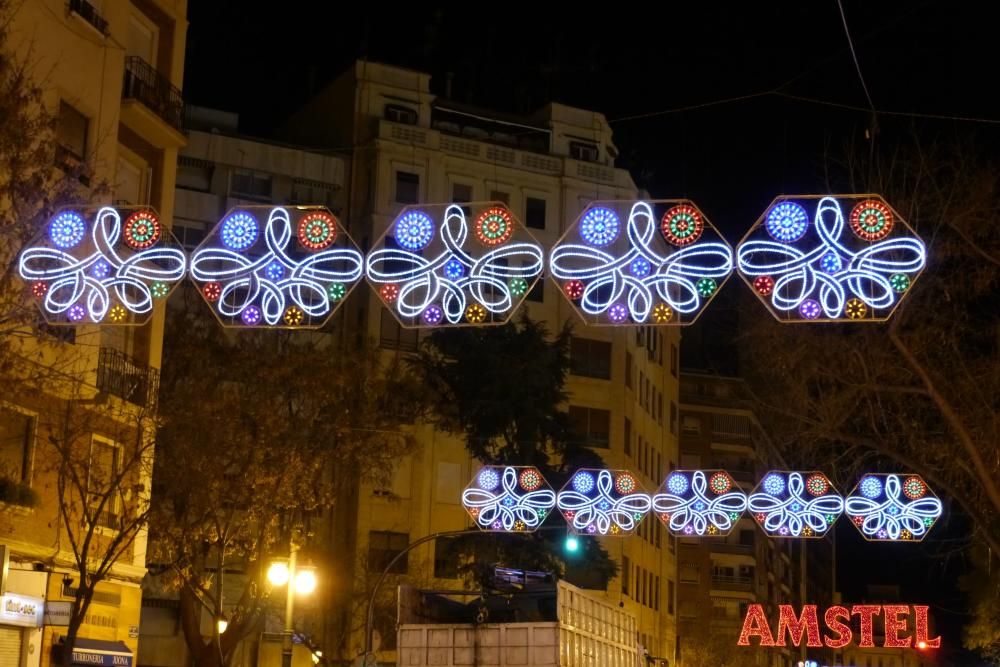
[
  {"x": 145, "y": 84},
  {"x": 124, "y": 377},
  {"x": 89, "y": 13}
]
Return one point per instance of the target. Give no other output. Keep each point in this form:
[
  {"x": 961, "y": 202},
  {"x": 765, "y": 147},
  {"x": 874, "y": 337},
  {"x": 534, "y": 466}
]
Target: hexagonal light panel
[
  {"x": 893, "y": 508},
  {"x": 795, "y": 504},
  {"x": 276, "y": 266},
  {"x": 641, "y": 262},
  {"x": 431, "y": 272},
  {"x": 842, "y": 258},
  {"x": 603, "y": 502},
  {"x": 508, "y": 499},
  {"x": 107, "y": 265},
  {"x": 699, "y": 502}
]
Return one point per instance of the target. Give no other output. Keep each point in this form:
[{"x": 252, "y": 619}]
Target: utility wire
[{"x": 854, "y": 55}]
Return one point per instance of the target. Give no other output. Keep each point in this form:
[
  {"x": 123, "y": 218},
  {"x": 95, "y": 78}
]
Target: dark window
[
  {"x": 496, "y": 195},
  {"x": 16, "y": 433},
  {"x": 627, "y": 436},
  {"x": 579, "y": 150},
  {"x": 395, "y": 337},
  {"x": 673, "y": 360},
  {"x": 537, "y": 292},
  {"x": 670, "y": 596},
  {"x": 248, "y": 185},
  {"x": 194, "y": 174},
  {"x": 590, "y": 358},
  {"x": 626, "y": 572},
  {"x": 407, "y": 187},
  {"x": 446, "y": 558},
  {"x": 102, "y": 481},
  {"x": 659, "y": 410},
  {"x": 628, "y": 369},
  {"x": 673, "y": 418},
  {"x": 590, "y": 426},
  {"x": 746, "y": 537},
  {"x": 534, "y": 213},
  {"x": 383, "y": 546},
  {"x": 460, "y": 194},
  {"x": 656, "y": 593},
  {"x": 397, "y": 113},
  {"x": 71, "y": 131}
]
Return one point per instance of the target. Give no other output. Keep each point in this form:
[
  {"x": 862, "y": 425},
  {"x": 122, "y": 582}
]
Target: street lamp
[{"x": 286, "y": 573}]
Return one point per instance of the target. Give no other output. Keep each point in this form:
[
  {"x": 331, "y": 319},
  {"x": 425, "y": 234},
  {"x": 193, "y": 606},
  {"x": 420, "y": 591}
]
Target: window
[
  {"x": 192, "y": 174},
  {"x": 645, "y": 402},
  {"x": 626, "y": 572},
  {"x": 627, "y": 436},
  {"x": 460, "y": 194},
  {"x": 628, "y": 369},
  {"x": 657, "y": 533},
  {"x": 746, "y": 537},
  {"x": 17, "y": 432},
  {"x": 590, "y": 358},
  {"x": 642, "y": 384},
  {"x": 537, "y": 292},
  {"x": 580, "y": 150},
  {"x": 497, "y": 195},
  {"x": 670, "y": 596},
  {"x": 446, "y": 558},
  {"x": 407, "y": 187},
  {"x": 673, "y": 418},
  {"x": 398, "y": 113},
  {"x": 383, "y": 546},
  {"x": 590, "y": 426},
  {"x": 659, "y": 410},
  {"x": 534, "y": 213},
  {"x": 103, "y": 482},
  {"x": 71, "y": 132},
  {"x": 250, "y": 185},
  {"x": 656, "y": 593},
  {"x": 394, "y": 337},
  {"x": 673, "y": 360},
  {"x": 690, "y": 425}
]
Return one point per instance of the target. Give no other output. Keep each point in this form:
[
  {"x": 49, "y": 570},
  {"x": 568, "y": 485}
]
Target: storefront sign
[
  {"x": 57, "y": 613},
  {"x": 894, "y": 617},
  {"x": 97, "y": 653},
  {"x": 22, "y": 610}
]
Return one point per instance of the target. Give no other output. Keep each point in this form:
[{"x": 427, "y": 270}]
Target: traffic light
[{"x": 572, "y": 544}]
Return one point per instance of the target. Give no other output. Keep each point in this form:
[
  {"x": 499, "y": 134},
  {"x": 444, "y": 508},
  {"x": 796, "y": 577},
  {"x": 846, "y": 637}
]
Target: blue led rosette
[
  {"x": 839, "y": 258},
  {"x": 795, "y": 504},
  {"x": 696, "y": 503},
  {"x": 603, "y": 502},
  {"x": 640, "y": 262},
  {"x": 107, "y": 266},
  {"x": 893, "y": 507},
  {"x": 276, "y": 267},
  {"x": 437, "y": 265},
  {"x": 508, "y": 499}
]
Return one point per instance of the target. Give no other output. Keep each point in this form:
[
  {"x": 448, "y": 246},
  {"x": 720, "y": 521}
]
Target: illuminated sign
[
  {"x": 21, "y": 610},
  {"x": 894, "y": 617}
]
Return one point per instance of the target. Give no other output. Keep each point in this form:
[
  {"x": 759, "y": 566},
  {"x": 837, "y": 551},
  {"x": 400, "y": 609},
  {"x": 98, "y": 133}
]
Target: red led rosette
[
  {"x": 682, "y": 225},
  {"x": 494, "y": 226},
  {"x": 317, "y": 230},
  {"x": 142, "y": 230}
]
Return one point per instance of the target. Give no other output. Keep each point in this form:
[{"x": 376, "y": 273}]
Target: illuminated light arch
[
  {"x": 699, "y": 503},
  {"x": 893, "y": 508},
  {"x": 446, "y": 278},
  {"x": 603, "y": 502},
  {"x": 293, "y": 272},
  {"x": 653, "y": 268},
  {"x": 114, "y": 275},
  {"x": 795, "y": 504},
  {"x": 509, "y": 499},
  {"x": 829, "y": 272}
]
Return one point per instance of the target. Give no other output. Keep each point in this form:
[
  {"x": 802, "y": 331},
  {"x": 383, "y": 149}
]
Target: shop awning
[{"x": 98, "y": 653}]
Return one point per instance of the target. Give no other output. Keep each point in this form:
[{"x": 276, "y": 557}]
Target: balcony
[
  {"x": 89, "y": 14},
  {"x": 151, "y": 105},
  {"x": 730, "y": 548},
  {"x": 729, "y": 583},
  {"x": 124, "y": 377}
]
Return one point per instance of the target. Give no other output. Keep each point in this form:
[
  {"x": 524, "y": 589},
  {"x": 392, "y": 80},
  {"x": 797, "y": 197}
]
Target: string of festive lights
[
  {"x": 112, "y": 276},
  {"x": 702, "y": 503},
  {"x": 276, "y": 278},
  {"x": 805, "y": 272},
  {"x": 434, "y": 277},
  {"x": 795, "y": 504},
  {"x": 615, "y": 279},
  {"x": 508, "y": 498}
]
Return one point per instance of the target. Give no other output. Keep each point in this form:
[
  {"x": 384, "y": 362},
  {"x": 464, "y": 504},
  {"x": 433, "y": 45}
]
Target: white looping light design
[
  {"x": 423, "y": 282},
  {"x": 502, "y": 509},
  {"x": 802, "y": 273},
  {"x": 695, "y": 510},
  {"x": 125, "y": 278},
  {"x": 247, "y": 279},
  {"x": 889, "y": 513},
  {"x": 673, "y": 278},
  {"x": 794, "y": 512},
  {"x": 602, "y": 510}
]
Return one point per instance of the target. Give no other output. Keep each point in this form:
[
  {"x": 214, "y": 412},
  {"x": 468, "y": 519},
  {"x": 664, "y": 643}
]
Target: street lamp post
[{"x": 287, "y": 573}]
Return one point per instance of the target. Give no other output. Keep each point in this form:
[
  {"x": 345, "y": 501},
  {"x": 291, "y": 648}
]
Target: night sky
[{"x": 924, "y": 58}]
